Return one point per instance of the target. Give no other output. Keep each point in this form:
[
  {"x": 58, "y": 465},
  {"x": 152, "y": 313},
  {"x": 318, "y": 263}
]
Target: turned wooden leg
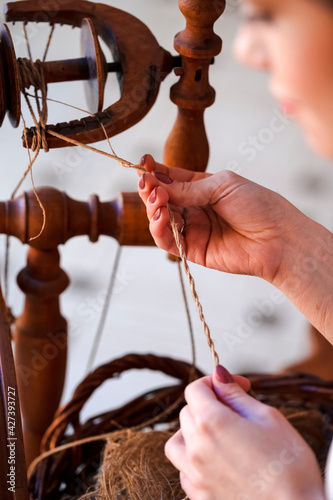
[
  {"x": 40, "y": 345},
  {"x": 40, "y": 332},
  {"x": 319, "y": 362}
]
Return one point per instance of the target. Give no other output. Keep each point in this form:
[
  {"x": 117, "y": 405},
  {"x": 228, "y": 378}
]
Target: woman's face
[{"x": 293, "y": 40}]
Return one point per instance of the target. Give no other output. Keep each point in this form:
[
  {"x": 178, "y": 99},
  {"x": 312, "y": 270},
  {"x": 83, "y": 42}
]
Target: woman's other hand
[{"x": 232, "y": 447}]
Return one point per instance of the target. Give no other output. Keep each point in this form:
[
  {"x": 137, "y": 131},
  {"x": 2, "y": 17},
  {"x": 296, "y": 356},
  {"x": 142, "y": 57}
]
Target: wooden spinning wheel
[{"x": 124, "y": 219}]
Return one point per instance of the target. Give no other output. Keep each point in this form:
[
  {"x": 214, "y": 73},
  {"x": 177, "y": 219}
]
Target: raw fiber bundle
[{"x": 135, "y": 468}]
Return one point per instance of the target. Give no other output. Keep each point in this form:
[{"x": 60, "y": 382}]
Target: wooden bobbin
[
  {"x": 95, "y": 59},
  {"x": 92, "y": 67}
]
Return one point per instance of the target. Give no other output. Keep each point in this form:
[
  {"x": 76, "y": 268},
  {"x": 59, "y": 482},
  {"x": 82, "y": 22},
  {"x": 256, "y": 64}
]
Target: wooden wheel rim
[{"x": 11, "y": 76}]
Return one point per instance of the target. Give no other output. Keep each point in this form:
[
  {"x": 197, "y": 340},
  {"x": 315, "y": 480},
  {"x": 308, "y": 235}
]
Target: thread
[
  {"x": 48, "y": 43},
  {"x": 192, "y": 286},
  {"x": 105, "y": 309},
  {"x": 27, "y": 40}
]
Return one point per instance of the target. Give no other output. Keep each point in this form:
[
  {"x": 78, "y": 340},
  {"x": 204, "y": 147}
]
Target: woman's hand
[
  {"x": 232, "y": 447},
  {"x": 230, "y": 223}
]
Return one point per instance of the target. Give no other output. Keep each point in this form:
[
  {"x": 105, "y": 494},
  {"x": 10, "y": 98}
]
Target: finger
[
  {"x": 205, "y": 395},
  {"x": 175, "y": 450},
  {"x": 146, "y": 185},
  {"x": 178, "y": 174},
  {"x": 187, "y": 424},
  {"x": 163, "y": 236},
  {"x": 243, "y": 382},
  {"x": 207, "y": 191},
  {"x": 158, "y": 198},
  {"x": 233, "y": 395},
  {"x": 148, "y": 162},
  {"x": 187, "y": 485},
  {"x": 204, "y": 403}
]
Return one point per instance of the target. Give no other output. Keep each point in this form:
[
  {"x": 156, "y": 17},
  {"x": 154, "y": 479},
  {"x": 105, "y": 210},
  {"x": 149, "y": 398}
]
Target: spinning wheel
[
  {"x": 124, "y": 219},
  {"x": 139, "y": 78}
]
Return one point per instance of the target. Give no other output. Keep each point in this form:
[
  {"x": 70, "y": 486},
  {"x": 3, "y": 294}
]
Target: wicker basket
[{"x": 306, "y": 401}]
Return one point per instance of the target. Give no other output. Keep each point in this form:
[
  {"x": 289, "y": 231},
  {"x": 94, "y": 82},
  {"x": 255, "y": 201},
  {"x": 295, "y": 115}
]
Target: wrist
[{"x": 305, "y": 272}]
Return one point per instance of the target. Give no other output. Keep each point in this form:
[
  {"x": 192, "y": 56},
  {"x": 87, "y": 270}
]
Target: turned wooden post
[
  {"x": 40, "y": 344},
  {"x": 187, "y": 145},
  {"x": 41, "y": 331}
]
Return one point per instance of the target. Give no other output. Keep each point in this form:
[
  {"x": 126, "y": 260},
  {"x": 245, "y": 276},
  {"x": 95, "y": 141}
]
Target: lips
[
  {"x": 287, "y": 104},
  {"x": 287, "y": 107}
]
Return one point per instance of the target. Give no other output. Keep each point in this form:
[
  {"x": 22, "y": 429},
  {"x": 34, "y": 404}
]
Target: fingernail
[
  {"x": 142, "y": 182},
  {"x": 157, "y": 214},
  {"x": 143, "y": 161},
  {"x": 163, "y": 177},
  {"x": 223, "y": 375},
  {"x": 152, "y": 196}
]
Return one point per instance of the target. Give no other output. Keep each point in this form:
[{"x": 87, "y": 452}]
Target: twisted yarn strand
[{"x": 192, "y": 286}]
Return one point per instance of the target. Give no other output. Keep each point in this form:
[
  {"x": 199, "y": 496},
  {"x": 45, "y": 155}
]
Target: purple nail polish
[
  {"x": 143, "y": 161},
  {"x": 152, "y": 196},
  {"x": 163, "y": 177},
  {"x": 157, "y": 214},
  {"x": 142, "y": 182},
  {"x": 223, "y": 375}
]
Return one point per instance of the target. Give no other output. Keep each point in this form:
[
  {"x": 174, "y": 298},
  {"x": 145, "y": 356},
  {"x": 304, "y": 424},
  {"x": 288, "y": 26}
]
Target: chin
[{"x": 318, "y": 133}]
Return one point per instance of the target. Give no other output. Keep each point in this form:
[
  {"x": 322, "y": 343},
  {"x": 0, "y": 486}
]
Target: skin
[{"x": 228, "y": 442}]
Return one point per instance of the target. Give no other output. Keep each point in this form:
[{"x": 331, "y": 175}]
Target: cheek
[
  {"x": 303, "y": 73},
  {"x": 294, "y": 72},
  {"x": 304, "y": 61}
]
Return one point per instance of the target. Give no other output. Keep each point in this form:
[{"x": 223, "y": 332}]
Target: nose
[{"x": 250, "y": 48}]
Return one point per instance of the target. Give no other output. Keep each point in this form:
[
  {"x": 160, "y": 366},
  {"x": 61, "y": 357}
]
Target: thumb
[
  {"x": 197, "y": 193},
  {"x": 230, "y": 391}
]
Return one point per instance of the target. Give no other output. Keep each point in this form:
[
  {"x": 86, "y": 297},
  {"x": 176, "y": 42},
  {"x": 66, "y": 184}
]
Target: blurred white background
[{"x": 147, "y": 312}]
